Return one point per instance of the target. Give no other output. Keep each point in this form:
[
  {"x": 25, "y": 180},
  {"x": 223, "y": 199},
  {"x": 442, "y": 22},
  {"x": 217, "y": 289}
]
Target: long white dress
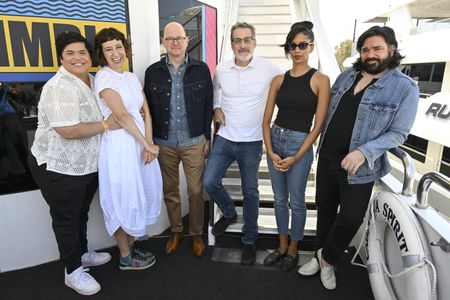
[{"x": 130, "y": 191}]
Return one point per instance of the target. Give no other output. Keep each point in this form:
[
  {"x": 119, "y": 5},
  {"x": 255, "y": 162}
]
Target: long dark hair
[{"x": 389, "y": 36}]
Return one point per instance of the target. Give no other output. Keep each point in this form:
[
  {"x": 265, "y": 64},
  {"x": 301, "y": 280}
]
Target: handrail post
[
  {"x": 408, "y": 170},
  {"x": 424, "y": 186}
]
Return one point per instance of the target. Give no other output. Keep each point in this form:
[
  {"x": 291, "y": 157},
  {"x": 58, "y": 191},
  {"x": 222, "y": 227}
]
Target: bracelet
[{"x": 105, "y": 126}]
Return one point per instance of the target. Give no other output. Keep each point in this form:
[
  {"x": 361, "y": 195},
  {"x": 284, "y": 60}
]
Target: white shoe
[
  {"x": 326, "y": 274},
  {"x": 309, "y": 269},
  {"x": 92, "y": 258},
  {"x": 81, "y": 282}
]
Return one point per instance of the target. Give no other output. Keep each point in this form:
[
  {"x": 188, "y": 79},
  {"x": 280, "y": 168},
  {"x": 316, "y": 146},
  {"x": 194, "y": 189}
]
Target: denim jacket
[
  {"x": 383, "y": 121},
  {"x": 198, "y": 97}
]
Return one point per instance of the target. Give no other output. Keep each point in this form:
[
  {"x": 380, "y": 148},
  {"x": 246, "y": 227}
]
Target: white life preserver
[{"x": 416, "y": 278}]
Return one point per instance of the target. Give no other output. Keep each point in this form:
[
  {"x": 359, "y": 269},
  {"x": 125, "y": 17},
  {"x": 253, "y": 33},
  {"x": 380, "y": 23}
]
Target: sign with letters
[{"x": 28, "y": 30}]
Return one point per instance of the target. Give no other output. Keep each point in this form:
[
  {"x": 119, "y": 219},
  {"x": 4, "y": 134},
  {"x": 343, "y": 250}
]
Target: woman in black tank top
[{"x": 301, "y": 95}]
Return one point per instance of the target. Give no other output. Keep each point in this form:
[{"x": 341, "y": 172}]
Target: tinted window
[{"x": 18, "y": 121}]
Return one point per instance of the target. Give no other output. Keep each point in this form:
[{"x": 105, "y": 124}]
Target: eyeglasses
[
  {"x": 171, "y": 40},
  {"x": 301, "y": 46},
  {"x": 247, "y": 40}
]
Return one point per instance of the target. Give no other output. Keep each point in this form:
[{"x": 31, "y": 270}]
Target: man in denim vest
[
  {"x": 372, "y": 109},
  {"x": 179, "y": 92}
]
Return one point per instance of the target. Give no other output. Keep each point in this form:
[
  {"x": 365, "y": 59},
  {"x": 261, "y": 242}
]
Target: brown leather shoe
[
  {"x": 174, "y": 242},
  {"x": 198, "y": 246}
]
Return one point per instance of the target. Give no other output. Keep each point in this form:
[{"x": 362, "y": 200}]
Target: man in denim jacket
[
  {"x": 372, "y": 109},
  {"x": 180, "y": 94}
]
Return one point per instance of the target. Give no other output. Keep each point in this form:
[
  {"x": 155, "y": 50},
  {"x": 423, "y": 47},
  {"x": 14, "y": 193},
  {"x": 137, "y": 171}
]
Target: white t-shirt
[
  {"x": 66, "y": 101},
  {"x": 241, "y": 93}
]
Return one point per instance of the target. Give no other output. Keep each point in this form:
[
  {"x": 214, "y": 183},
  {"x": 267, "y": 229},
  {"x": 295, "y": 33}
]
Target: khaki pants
[{"x": 193, "y": 165}]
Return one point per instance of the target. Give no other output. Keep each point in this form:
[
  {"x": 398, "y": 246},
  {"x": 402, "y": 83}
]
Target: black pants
[
  {"x": 335, "y": 230},
  {"x": 69, "y": 198}
]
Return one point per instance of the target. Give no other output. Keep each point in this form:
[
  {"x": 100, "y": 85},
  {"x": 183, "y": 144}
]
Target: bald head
[
  {"x": 174, "y": 27},
  {"x": 175, "y": 41}
]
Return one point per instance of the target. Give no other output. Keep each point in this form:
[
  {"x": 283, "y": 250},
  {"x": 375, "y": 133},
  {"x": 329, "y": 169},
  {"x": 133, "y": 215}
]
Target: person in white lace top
[
  {"x": 63, "y": 159},
  {"x": 130, "y": 182}
]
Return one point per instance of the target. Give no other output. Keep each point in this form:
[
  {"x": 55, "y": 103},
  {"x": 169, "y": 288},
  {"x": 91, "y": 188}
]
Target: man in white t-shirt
[{"x": 241, "y": 86}]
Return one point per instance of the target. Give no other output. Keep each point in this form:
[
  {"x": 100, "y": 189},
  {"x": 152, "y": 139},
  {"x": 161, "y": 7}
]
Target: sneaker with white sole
[
  {"x": 309, "y": 269},
  {"x": 92, "y": 258},
  {"x": 326, "y": 274},
  {"x": 135, "y": 262},
  {"x": 81, "y": 281}
]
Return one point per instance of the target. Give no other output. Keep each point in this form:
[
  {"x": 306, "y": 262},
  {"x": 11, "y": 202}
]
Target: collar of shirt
[
  {"x": 252, "y": 64},
  {"x": 64, "y": 72},
  {"x": 168, "y": 63}
]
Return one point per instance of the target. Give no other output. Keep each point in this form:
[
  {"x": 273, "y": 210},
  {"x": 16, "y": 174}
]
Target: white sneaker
[
  {"x": 326, "y": 274},
  {"x": 92, "y": 258},
  {"x": 309, "y": 269},
  {"x": 81, "y": 282}
]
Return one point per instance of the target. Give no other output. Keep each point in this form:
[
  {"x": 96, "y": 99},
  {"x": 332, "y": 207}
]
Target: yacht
[{"x": 416, "y": 192}]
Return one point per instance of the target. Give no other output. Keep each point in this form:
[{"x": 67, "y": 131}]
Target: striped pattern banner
[{"x": 92, "y": 10}]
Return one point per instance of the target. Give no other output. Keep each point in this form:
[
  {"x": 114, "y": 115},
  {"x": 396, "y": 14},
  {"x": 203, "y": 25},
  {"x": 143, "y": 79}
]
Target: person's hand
[
  {"x": 153, "y": 149},
  {"x": 112, "y": 122},
  {"x": 275, "y": 158},
  {"x": 353, "y": 161},
  {"x": 285, "y": 164},
  {"x": 150, "y": 153},
  {"x": 206, "y": 149},
  {"x": 219, "y": 117}
]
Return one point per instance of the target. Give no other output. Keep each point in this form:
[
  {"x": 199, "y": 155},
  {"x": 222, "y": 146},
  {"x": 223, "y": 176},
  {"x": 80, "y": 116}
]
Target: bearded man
[
  {"x": 372, "y": 109},
  {"x": 241, "y": 86}
]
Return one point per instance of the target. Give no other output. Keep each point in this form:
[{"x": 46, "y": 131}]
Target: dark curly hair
[
  {"x": 389, "y": 36},
  {"x": 109, "y": 34},
  {"x": 304, "y": 27},
  {"x": 68, "y": 37}
]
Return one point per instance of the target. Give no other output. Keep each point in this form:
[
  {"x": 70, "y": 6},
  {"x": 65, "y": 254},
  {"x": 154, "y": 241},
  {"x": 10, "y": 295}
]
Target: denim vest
[{"x": 383, "y": 121}]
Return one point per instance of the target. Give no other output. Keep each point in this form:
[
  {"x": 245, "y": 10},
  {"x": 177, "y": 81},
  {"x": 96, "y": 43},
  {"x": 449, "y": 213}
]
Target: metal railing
[
  {"x": 425, "y": 184},
  {"x": 408, "y": 170}
]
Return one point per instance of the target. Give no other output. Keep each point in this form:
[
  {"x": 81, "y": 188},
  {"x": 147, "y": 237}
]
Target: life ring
[{"x": 394, "y": 232}]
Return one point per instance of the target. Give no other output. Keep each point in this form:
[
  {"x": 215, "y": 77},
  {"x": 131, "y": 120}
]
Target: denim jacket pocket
[
  {"x": 380, "y": 115},
  {"x": 159, "y": 92},
  {"x": 198, "y": 90}
]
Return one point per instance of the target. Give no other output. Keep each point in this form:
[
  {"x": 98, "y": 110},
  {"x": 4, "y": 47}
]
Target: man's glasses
[
  {"x": 247, "y": 40},
  {"x": 301, "y": 46},
  {"x": 171, "y": 40}
]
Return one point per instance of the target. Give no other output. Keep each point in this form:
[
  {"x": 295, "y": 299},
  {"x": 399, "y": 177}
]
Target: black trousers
[
  {"x": 69, "y": 198},
  {"x": 340, "y": 209}
]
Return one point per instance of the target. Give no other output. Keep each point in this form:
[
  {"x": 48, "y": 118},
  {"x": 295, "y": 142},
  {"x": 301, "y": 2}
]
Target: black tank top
[{"x": 296, "y": 102}]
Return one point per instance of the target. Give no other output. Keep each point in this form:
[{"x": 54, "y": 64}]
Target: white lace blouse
[{"x": 66, "y": 101}]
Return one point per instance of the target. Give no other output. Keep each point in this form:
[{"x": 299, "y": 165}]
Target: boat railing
[
  {"x": 408, "y": 170},
  {"x": 425, "y": 184}
]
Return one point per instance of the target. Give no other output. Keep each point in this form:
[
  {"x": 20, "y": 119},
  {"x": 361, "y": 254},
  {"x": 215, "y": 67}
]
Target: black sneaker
[
  {"x": 222, "y": 225},
  {"x": 248, "y": 255}
]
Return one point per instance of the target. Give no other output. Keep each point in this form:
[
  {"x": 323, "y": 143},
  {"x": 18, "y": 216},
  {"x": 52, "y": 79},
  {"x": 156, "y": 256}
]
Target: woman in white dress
[{"x": 129, "y": 174}]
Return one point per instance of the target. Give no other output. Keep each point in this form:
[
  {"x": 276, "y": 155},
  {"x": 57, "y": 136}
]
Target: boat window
[
  {"x": 18, "y": 122},
  {"x": 428, "y": 76},
  {"x": 445, "y": 162},
  {"x": 416, "y": 147}
]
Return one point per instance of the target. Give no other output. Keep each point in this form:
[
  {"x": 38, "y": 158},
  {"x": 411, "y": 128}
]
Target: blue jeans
[
  {"x": 290, "y": 186},
  {"x": 248, "y": 157}
]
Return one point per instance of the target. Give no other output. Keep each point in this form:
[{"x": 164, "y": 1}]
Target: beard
[
  {"x": 243, "y": 57},
  {"x": 370, "y": 68}
]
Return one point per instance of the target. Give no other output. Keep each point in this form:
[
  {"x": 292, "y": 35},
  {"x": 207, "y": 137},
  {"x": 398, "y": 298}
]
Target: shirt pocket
[{"x": 381, "y": 115}]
